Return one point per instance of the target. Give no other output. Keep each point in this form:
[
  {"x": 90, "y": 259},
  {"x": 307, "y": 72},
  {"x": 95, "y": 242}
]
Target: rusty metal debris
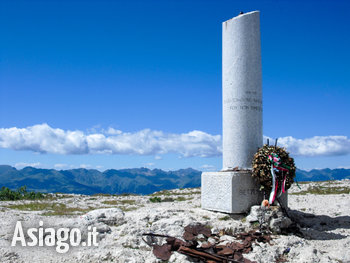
[{"x": 208, "y": 252}]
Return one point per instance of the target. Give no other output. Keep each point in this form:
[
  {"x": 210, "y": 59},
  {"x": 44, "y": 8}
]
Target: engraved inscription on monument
[{"x": 246, "y": 103}]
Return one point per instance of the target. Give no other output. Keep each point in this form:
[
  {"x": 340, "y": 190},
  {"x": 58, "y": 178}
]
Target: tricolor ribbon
[
  {"x": 276, "y": 164},
  {"x": 274, "y": 186}
]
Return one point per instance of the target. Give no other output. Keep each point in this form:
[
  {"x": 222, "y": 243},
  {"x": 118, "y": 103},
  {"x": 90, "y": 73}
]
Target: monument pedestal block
[{"x": 231, "y": 192}]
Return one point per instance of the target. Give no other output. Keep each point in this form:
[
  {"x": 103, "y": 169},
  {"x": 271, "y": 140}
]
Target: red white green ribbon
[
  {"x": 276, "y": 164},
  {"x": 274, "y": 186}
]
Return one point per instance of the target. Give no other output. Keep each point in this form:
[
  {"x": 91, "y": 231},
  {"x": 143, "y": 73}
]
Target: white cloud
[
  {"x": 85, "y": 166},
  {"x": 208, "y": 167},
  {"x": 44, "y": 139},
  {"x": 22, "y": 165},
  {"x": 112, "y": 131},
  {"x": 343, "y": 167},
  {"x": 60, "y": 166},
  {"x": 317, "y": 146}
]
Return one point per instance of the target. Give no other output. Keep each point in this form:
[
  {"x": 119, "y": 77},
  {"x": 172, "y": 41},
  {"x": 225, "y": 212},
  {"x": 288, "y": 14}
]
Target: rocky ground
[{"x": 322, "y": 210}]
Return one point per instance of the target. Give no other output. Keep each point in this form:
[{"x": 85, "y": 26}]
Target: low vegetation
[
  {"x": 168, "y": 193},
  {"x": 21, "y": 193},
  {"x": 119, "y": 202},
  {"x": 224, "y": 218},
  {"x": 157, "y": 199},
  {"x": 324, "y": 190},
  {"x": 50, "y": 209}
]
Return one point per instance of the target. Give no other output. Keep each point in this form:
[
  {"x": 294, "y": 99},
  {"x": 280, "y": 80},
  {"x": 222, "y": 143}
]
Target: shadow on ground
[{"x": 318, "y": 227}]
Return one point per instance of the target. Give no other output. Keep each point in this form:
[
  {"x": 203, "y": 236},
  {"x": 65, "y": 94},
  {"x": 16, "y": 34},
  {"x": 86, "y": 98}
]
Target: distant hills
[
  {"x": 137, "y": 181},
  {"x": 89, "y": 181},
  {"x": 323, "y": 174}
]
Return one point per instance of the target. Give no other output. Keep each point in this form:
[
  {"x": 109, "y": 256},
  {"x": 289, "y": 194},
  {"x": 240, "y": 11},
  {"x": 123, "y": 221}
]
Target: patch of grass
[
  {"x": 155, "y": 199},
  {"x": 101, "y": 194},
  {"x": 122, "y": 204},
  {"x": 128, "y": 194},
  {"x": 127, "y": 209},
  {"x": 225, "y": 218},
  {"x": 110, "y": 202},
  {"x": 35, "y": 206},
  {"x": 255, "y": 224},
  {"x": 324, "y": 190},
  {"x": 206, "y": 217},
  {"x": 51, "y": 209},
  {"x": 127, "y": 202},
  {"x": 167, "y": 199},
  {"x": 167, "y": 192}
]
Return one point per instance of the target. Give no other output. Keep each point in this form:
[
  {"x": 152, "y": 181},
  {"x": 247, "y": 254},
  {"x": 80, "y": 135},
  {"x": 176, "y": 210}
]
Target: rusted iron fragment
[
  {"x": 208, "y": 252},
  {"x": 162, "y": 252},
  {"x": 199, "y": 254},
  {"x": 197, "y": 229}
]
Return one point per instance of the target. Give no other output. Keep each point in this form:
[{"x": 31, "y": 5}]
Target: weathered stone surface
[
  {"x": 108, "y": 216},
  {"x": 255, "y": 214},
  {"x": 229, "y": 192},
  {"x": 281, "y": 222},
  {"x": 241, "y": 90},
  {"x": 102, "y": 219},
  {"x": 271, "y": 218}
]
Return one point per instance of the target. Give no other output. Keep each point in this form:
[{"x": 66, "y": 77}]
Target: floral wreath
[{"x": 274, "y": 169}]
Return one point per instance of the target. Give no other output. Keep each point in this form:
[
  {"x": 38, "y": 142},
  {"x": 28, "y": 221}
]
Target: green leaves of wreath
[{"x": 262, "y": 166}]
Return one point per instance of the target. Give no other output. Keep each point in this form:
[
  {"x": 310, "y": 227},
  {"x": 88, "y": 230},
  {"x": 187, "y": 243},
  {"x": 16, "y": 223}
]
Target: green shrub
[
  {"x": 7, "y": 194},
  {"x": 155, "y": 199}
]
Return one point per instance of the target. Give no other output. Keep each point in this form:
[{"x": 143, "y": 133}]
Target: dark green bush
[
  {"x": 7, "y": 194},
  {"x": 155, "y": 199}
]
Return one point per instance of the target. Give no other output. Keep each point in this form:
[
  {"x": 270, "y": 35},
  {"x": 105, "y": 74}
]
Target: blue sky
[{"x": 114, "y": 84}]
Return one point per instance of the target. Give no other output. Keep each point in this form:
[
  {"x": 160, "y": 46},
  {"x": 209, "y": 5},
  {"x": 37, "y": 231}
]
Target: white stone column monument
[
  {"x": 241, "y": 90},
  {"x": 233, "y": 190}
]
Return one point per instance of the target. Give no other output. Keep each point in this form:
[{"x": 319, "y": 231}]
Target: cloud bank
[{"x": 44, "y": 139}]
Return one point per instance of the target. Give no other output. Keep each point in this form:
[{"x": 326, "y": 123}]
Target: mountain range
[{"x": 136, "y": 181}]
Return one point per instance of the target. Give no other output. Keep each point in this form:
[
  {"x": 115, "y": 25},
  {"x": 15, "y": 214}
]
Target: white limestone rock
[
  {"x": 108, "y": 216},
  {"x": 123, "y": 243},
  {"x": 255, "y": 214}
]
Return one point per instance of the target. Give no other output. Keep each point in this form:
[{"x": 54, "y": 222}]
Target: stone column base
[{"x": 231, "y": 192}]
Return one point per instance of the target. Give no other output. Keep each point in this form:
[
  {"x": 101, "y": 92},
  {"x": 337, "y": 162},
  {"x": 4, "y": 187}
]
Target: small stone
[
  {"x": 255, "y": 213},
  {"x": 276, "y": 224}
]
